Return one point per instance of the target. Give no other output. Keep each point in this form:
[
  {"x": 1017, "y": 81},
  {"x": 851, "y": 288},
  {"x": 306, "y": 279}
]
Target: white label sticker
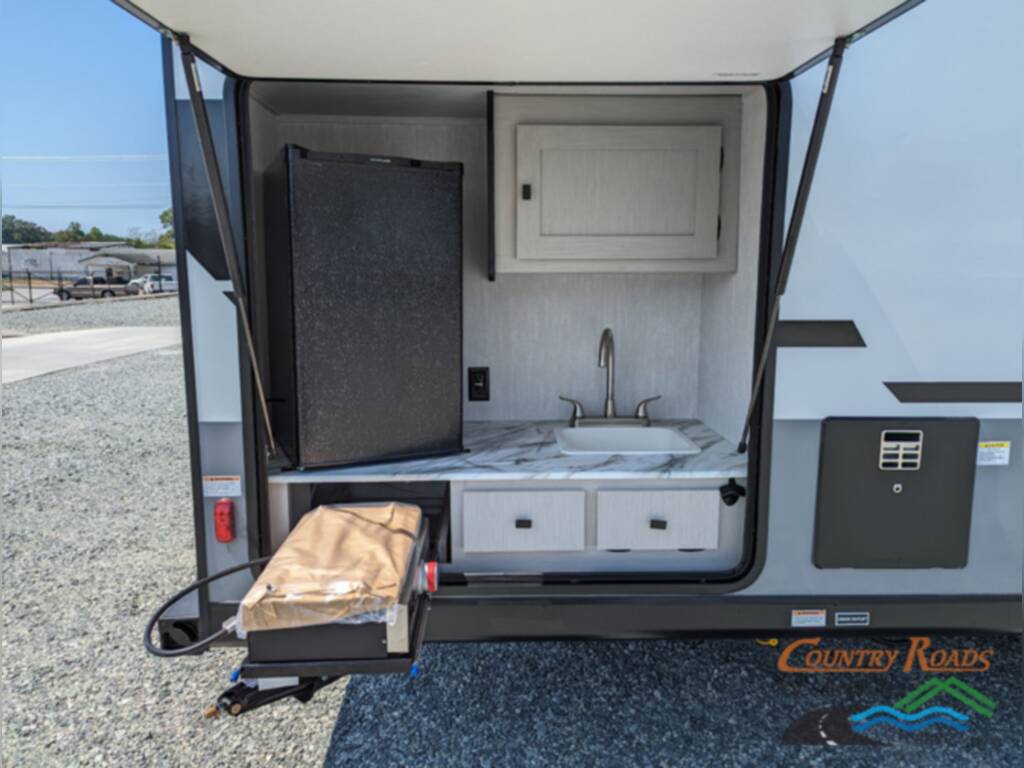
[
  {"x": 852, "y": 619},
  {"x": 222, "y": 485},
  {"x": 808, "y": 617},
  {"x": 994, "y": 453}
]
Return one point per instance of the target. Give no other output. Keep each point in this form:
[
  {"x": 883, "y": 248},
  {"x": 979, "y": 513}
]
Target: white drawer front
[
  {"x": 523, "y": 521},
  {"x": 657, "y": 519}
]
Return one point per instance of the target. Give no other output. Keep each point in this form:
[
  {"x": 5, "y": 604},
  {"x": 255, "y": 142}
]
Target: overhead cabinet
[
  {"x": 600, "y": 196},
  {"x": 614, "y": 192}
]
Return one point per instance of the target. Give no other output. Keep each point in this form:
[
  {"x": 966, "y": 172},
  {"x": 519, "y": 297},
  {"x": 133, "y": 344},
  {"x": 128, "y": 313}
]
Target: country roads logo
[
  {"x": 907, "y": 713},
  {"x": 805, "y": 655},
  {"x": 944, "y": 703}
]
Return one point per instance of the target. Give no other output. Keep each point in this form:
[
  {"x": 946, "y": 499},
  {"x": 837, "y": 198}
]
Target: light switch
[{"x": 479, "y": 383}]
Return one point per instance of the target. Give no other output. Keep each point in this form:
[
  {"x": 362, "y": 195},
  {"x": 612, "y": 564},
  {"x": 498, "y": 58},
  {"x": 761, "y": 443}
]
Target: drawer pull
[
  {"x": 524, "y": 522},
  {"x": 659, "y": 525}
]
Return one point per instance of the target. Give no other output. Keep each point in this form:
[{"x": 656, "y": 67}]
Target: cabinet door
[
  {"x": 523, "y": 521},
  {"x": 675, "y": 519},
  {"x": 624, "y": 193}
]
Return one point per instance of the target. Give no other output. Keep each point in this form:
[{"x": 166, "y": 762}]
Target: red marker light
[
  {"x": 224, "y": 521},
  {"x": 430, "y": 574}
]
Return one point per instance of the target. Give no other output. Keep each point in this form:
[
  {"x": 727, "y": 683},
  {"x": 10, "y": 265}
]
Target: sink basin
[{"x": 624, "y": 439}]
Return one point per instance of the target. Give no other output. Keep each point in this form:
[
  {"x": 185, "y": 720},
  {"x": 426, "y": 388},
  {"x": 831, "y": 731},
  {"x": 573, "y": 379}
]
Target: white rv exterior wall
[
  {"x": 915, "y": 226},
  {"x": 915, "y": 231}
]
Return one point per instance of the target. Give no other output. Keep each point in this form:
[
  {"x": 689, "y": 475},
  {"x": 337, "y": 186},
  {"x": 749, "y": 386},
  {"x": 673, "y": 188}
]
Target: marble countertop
[{"x": 527, "y": 450}]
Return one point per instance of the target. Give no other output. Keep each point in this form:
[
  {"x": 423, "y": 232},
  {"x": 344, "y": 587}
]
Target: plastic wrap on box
[{"x": 341, "y": 563}]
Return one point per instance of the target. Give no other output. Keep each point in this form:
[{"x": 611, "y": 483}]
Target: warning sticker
[
  {"x": 808, "y": 617},
  {"x": 994, "y": 453},
  {"x": 222, "y": 485}
]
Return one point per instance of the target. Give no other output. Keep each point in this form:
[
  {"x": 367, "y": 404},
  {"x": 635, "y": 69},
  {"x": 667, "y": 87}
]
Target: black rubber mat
[{"x": 720, "y": 702}]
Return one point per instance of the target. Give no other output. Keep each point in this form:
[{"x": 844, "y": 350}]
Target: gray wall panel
[
  {"x": 537, "y": 333},
  {"x": 729, "y": 302}
]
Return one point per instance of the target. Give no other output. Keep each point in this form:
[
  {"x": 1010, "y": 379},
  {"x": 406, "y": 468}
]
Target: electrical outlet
[{"x": 479, "y": 383}]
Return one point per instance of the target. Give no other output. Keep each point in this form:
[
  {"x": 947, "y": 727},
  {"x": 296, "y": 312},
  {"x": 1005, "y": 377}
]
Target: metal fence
[
  {"x": 25, "y": 286},
  {"x": 43, "y": 286}
]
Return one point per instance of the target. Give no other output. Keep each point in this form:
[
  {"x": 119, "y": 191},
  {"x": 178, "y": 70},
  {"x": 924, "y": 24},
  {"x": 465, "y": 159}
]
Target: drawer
[
  {"x": 523, "y": 521},
  {"x": 670, "y": 519}
]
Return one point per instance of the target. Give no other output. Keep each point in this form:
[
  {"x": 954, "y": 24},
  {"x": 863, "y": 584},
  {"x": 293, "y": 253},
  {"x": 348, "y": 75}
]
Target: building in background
[
  {"x": 68, "y": 260},
  {"x": 50, "y": 259},
  {"x": 128, "y": 262}
]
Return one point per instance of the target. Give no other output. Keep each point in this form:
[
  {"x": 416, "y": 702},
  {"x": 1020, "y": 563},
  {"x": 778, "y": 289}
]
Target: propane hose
[{"x": 198, "y": 645}]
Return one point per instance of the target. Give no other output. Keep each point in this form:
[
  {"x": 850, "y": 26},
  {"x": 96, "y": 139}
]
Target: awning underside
[{"x": 515, "y": 40}]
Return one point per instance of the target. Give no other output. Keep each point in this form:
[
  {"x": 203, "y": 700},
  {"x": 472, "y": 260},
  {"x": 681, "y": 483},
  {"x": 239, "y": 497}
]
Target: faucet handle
[
  {"x": 641, "y": 408},
  {"x": 577, "y": 410}
]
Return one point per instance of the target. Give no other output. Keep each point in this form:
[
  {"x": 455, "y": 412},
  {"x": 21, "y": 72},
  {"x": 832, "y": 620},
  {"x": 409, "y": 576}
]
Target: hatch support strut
[
  {"x": 220, "y": 211},
  {"x": 803, "y": 192}
]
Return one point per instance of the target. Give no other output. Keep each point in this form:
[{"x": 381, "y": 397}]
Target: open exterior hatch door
[{"x": 515, "y": 41}]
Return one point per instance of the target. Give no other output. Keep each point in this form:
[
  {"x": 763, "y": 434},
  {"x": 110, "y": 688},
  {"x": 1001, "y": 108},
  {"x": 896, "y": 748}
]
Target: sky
[{"x": 82, "y": 129}]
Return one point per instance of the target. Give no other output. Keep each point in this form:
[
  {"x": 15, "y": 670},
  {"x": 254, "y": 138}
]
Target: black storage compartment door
[
  {"x": 369, "y": 281},
  {"x": 895, "y": 493}
]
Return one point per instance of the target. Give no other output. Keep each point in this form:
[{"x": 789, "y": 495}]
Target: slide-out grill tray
[{"x": 344, "y": 649}]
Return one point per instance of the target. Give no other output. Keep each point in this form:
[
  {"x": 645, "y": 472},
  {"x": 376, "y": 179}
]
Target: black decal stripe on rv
[
  {"x": 818, "y": 333},
  {"x": 956, "y": 391}
]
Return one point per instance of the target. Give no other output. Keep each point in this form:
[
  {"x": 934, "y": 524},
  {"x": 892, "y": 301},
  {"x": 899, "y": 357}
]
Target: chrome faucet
[{"x": 606, "y": 360}]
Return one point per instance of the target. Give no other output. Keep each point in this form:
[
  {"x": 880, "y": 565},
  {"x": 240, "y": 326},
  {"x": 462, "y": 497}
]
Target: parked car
[
  {"x": 136, "y": 286},
  {"x": 158, "y": 283},
  {"x": 93, "y": 288}
]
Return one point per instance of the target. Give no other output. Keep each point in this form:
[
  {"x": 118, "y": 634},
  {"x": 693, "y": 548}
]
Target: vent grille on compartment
[{"x": 901, "y": 449}]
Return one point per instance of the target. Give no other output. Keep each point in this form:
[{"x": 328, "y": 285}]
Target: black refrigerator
[{"x": 364, "y": 291}]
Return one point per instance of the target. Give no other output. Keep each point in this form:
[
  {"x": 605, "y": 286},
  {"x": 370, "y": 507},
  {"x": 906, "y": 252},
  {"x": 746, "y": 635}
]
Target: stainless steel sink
[{"x": 624, "y": 440}]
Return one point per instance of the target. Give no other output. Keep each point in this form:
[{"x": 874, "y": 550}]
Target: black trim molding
[
  {"x": 818, "y": 333},
  {"x": 634, "y": 617},
  {"x": 492, "y": 269},
  {"x": 644, "y": 616},
  {"x": 956, "y": 391}
]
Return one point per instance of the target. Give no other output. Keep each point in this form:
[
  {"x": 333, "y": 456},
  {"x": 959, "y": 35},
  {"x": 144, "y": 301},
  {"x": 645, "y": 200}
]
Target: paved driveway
[
  {"x": 26, "y": 356},
  {"x": 97, "y": 530}
]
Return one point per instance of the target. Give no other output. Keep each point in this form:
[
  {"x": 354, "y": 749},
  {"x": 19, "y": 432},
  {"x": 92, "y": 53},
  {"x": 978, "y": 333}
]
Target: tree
[
  {"x": 17, "y": 230},
  {"x": 72, "y": 233},
  {"x": 134, "y": 238},
  {"x": 166, "y": 238}
]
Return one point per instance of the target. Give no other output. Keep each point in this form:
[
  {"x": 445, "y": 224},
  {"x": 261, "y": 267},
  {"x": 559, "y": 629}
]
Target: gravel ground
[
  {"x": 93, "y": 313},
  {"x": 97, "y": 527}
]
